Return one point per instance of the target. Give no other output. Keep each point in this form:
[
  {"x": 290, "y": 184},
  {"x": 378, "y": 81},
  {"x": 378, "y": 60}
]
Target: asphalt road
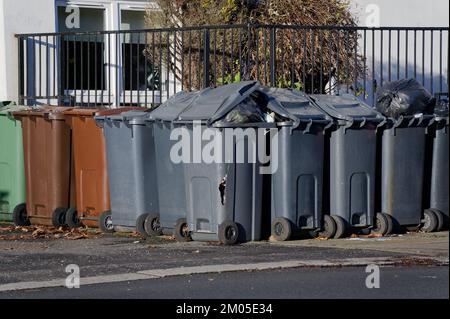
[{"x": 398, "y": 282}]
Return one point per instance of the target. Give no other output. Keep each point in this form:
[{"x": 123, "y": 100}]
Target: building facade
[{"x": 36, "y": 16}]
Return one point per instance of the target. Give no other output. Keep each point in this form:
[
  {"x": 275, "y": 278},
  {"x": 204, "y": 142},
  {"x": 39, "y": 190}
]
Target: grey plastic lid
[
  {"x": 134, "y": 117},
  {"x": 213, "y": 104},
  {"x": 297, "y": 103},
  {"x": 173, "y": 107},
  {"x": 346, "y": 107}
]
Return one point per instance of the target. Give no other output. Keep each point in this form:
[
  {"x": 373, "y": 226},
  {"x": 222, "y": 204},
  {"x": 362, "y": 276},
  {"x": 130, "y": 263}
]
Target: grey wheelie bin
[
  {"x": 298, "y": 182},
  {"x": 402, "y": 172},
  {"x": 131, "y": 169},
  {"x": 224, "y": 192},
  {"x": 437, "y": 190},
  {"x": 171, "y": 191},
  {"x": 351, "y": 171}
]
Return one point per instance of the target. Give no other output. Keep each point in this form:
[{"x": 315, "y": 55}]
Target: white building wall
[
  {"x": 401, "y": 13},
  {"x": 34, "y": 16},
  {"x": 19, "y": 16}
]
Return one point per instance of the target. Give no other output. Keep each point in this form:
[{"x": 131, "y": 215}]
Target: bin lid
[
  {"x": 133, "y": 117},
  {"x": 83, "y": 111},
  {"x": 101, "y": 111},
  {"x": 212, "y": 105},
  {"x": 52, "y": 112},
  {"x": 298, "y": 104},
  {"x": 173, "y": 107},
  {"x": 8, "y": 107},
  {"x": 346, "y": 107}
]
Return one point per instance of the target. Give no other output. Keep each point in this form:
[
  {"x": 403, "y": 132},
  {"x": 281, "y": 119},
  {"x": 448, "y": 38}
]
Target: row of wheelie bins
[
  {"x": 53, "y": 167},
  {"x": 340, "y": 166}
]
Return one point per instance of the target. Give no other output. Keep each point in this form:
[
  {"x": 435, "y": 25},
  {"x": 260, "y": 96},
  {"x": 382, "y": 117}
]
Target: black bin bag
[{"x": 404, "y": 97}]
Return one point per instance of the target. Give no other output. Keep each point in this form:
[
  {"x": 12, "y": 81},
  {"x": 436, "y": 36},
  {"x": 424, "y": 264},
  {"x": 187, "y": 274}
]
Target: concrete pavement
[{"x": 34, "y": 263}]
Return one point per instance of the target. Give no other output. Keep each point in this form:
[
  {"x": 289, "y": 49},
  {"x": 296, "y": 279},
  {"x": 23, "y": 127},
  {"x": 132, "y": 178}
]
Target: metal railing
[{"x": 145, "y": 67}]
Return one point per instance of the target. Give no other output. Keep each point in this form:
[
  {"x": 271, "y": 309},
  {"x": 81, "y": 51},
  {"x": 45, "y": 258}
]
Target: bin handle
[
  {"x": 382, "y": 123},
  {"x": 431, "y": 122},
  {"x": 100, "y": 122},
  {"x": 413, "y": 119},
  {"x": 10, "y": 116},
  {"x": 308, "y": 127},
  {"x": 329, "y": 125},
  {"x": 399, "y": 121},
  {"x": 363, "y": 123},
  {"x": 349, "y": 124}
]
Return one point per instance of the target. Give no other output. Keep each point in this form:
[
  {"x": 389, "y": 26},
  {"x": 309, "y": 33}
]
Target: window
[
  {"x": 138, "y": 72},
  {"x": 83, "y": 56},
  {"x": 108, "y": 68}
]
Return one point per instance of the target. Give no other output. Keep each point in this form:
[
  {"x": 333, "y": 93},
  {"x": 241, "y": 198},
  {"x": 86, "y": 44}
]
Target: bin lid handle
[
  {"x": 419, "y": 119},
  {"x": 362, "y": 123},
  {"x": 349, "y": 123},
  {"x": 100, "y": 121},
  {"x": 275, "y": 106},
  {"x": 400, "y": 120},
  {"x": 308, "y": 126}
]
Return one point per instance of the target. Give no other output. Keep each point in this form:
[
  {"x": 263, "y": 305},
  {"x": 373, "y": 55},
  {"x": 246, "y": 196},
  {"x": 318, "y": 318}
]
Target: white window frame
[{"x": 114, "y": 63}]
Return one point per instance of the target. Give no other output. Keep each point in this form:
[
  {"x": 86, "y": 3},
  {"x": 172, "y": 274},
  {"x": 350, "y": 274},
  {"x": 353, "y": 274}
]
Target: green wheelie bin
[{"x": 12, "y": 175}]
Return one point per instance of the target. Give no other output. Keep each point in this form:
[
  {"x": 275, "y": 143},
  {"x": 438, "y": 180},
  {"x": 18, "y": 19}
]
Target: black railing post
[
  {"x": 62, "y": 68},
  {"x": 206, "y": 56},
  {"x": 273, "y": 52},
  {"x": 20, "y": 78}
]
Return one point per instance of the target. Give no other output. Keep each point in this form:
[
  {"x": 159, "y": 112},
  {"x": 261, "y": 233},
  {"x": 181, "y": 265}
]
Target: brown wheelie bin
[
  {"x": 90, "y": 169},
  {"x": 47, "y": 156}
]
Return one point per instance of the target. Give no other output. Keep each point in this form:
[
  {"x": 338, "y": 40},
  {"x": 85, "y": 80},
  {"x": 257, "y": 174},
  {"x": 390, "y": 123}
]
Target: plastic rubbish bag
[
  {"x": 248, "y": 111},
  {"x": 404, "y": 97},
  {"x": 441, "y": 108}
]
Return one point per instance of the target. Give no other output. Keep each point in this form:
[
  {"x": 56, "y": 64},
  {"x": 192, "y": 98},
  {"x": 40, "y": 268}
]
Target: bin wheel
[
  {"x": 181, "y": 232},
  {"x": 440, "y": 218},
  {"x": 20, "y": 216},
  {"x": 384, "y": 224},
  {"x": 228, "y": 233},
  {"x": 72, "y": 219},
  {"x": 341, "y": 227},
  {"x": 281, "y": 229},
  {"x": 59, "y": 217},
  {"x": 430, "y": 221},
  {"x": 140, "y": 225},
  {"x": 105, "y": 222},
  {"x": 152, "y": 225},
  {"x": 329, "y": 227}
]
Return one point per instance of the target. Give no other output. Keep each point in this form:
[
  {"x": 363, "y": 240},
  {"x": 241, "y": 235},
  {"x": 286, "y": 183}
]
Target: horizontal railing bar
[{"x": 240, "y": 26}]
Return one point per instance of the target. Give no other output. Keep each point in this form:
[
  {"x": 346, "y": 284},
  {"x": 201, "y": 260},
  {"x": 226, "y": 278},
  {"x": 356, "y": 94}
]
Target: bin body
[
  {"x": 171, "y": 188},
  {"x": 89, "y": 155},
  {"x": 298, "y": 182},
  {"x": 402, "y": 168},
  {"x": 12, "y": 174},
  {"x": 439, "y": 167},
  {"x": 171, "y": 191},
  {"x": 131, "y": 167},
  {"x": 351, "y": 159},
  {"x": 240, "y": 201},
  {"x": 47, "y": 157},
  {"x": 229, "y": 187}
]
